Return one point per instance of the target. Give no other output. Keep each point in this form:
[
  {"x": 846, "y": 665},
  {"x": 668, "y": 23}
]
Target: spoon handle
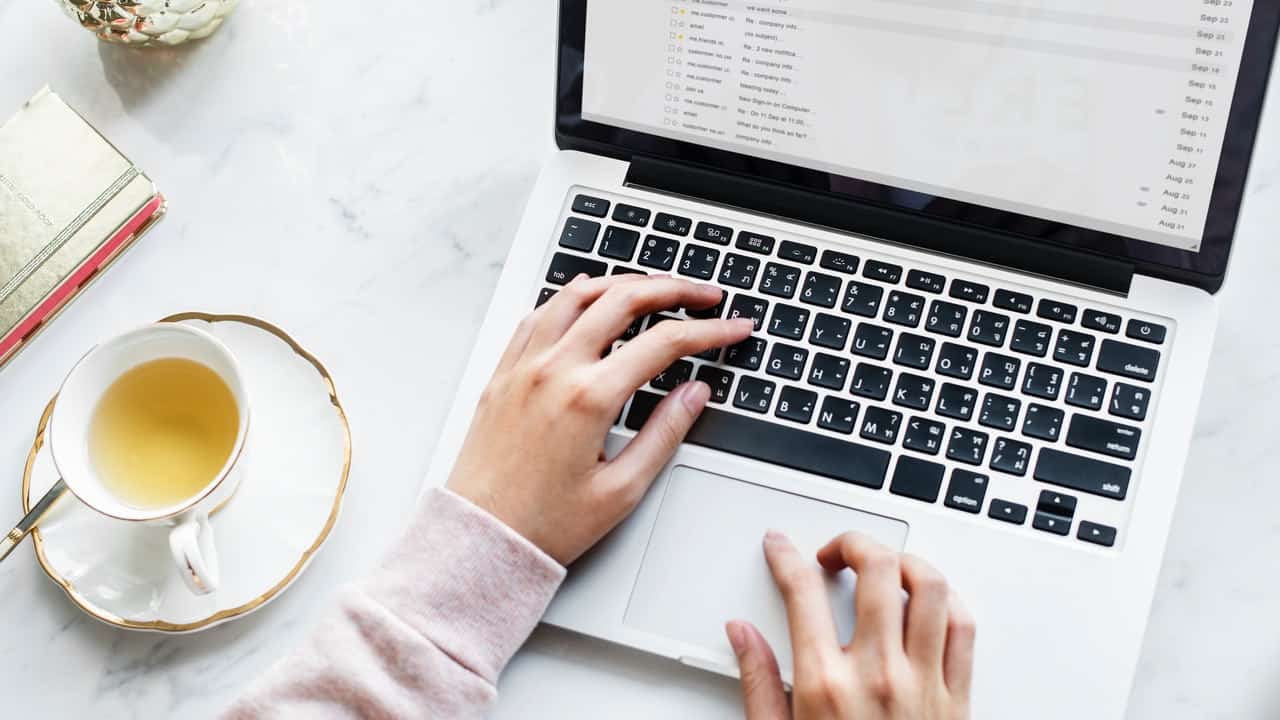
[{"x": 24, "y": 526}]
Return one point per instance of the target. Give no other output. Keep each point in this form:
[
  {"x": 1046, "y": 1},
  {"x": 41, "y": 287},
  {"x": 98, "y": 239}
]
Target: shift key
[{"x": 1084, "y": 474}]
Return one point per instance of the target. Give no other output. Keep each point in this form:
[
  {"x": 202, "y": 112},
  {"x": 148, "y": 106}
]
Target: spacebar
[{"x": 777, "y": 444}]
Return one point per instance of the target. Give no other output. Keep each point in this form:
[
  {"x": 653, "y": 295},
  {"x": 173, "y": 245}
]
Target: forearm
[{"x": 428, "y": 634}]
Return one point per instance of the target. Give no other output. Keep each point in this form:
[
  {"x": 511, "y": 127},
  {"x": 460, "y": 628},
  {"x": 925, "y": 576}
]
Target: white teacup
[{"x": 191, "y": 538}]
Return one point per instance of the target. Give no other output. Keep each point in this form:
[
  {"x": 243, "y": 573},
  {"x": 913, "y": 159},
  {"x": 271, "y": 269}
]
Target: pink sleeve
[{"x": 424, "y": 636}]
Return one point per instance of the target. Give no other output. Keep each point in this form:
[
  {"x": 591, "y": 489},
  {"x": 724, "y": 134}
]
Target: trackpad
[{"x": 704, "y": 564}]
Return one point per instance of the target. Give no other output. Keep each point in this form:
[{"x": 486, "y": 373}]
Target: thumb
[
  {"x": 665, "y": 429},
  {"x": 762, "y": 692}
]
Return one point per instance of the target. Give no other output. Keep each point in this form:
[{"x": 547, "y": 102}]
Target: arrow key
[{"x": 1097, "y": 534}]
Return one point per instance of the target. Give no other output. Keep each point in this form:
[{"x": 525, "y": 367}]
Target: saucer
[{"x": 299, "y": 455}]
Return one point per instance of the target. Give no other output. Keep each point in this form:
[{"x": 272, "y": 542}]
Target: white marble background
[{"x": 355, "y": 173}]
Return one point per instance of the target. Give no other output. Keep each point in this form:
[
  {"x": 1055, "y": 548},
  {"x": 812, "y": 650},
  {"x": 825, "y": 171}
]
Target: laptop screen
[{"x": 1102, "y": 115}]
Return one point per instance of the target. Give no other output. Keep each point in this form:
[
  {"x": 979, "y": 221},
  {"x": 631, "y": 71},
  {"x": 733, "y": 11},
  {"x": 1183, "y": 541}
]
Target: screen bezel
[{"x": 1204, "y": 268}]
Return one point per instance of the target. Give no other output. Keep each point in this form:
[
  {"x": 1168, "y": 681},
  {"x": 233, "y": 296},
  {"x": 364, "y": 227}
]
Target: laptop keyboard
[{"x": 998, "y": 402}]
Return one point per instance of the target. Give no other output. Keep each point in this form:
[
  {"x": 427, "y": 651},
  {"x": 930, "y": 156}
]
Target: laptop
[{"x": 980, "y": 241}]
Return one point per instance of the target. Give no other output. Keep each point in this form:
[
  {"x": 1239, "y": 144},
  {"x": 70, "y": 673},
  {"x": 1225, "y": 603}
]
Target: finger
[
  {"x": 957, "y": 663},
  {"x": 609, "y": 316},
  {"x": 762, "y": 693},
  {"x": 814, "y": 644},
  {"x": 639, "y": 462},
  {"x": 877, "y": 597},
  {"x": 559, "y": 313},
  {"x": 928, "y": 608},
  {"x": 640, "y": 360}
]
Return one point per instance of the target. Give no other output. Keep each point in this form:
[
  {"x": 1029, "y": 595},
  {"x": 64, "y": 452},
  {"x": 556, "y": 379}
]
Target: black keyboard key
[
  {"x": 1007, "y": 511},
  {"x": 1086, "y": 391},
  {"x": 1054, "y": 513},
  {"x": 872, "y": 341},
  {"x": 913, "y": 392},
  {"x": 966, "y": 491},
  {"x": 989, "y": 328},
  {"x": 957, "y": 361},
  {"x": 699, "y": 262},
  {"x": 719, "y": 380},
  {"x": 1013, "y": 301},
  {"x": 904, "y": 309},
  {"x": 788, "y": 321},
  {"x": 917, "y": 479},
  {"x": 1057, "y": 311},
  {"x": 717, "y": 234},
  {"x": 745, "y": 306},
  {"x": 1042, "y": 381},
  {"x": 797, "y": 252},
  {"x": 711, "y": 313},
  {"x": 925, "y": 281},
  {"x": 1010, "y": 456},
  {"x": 880, "y": 425},
  {"x": 1100, "y": 321},
  {"x": 914, "y": 351},
  {"x": 1074, "y": 348},
  {"x": 967, "y": 446},
  {"x": 1130, "y": 401},
  {"x": 748, "y": 354},
  {"x": 754, "y": 242},
  {"x": 838, "y": 415},
  {"x": 1083, "y": 474},
  {"x": 787, "y": 361},
  {"x": 1128, "y": 360},
  {"x": 999, "y": 371},
  {"x": 829, "y": 371},
  {"x": 622, "y": 270},
  {"x": 672, "y": 224},
  {"x": 1103, "y": 535},
  {"x": 754, "y": 394},
  {"x": 677, "y": 374},
  {"x": 839, "y": 262},
  {"x": 660, "y": 318},
  {"x": 780, "y": 280},
  {"x": 592, "y": 206},
  {"x": 969, "y": 291},
  {"x": 882, "y": 271},
  {"x": 820, "y": 289},
  {"x": 924, "y": 435},
  {"x": 830, "y": 331},
  {"x": 871, "y": 381},
  {"x": 544, "y": 295},
  {"x": 659, "y": 253},
  {"x": 1031, "y": 338},
  {"x": 1000, "y": 412},
  {"x": 619, "y": 243},
  {"x": 956, "y": 401},
  {"x": 632, "y": 330},
  {"x": 777, "y": 444},
  {"x": 1104, "y": 437},
  {"x": 946, "y": 318},
  {"x": 862, "y": 299},
  {"x": 1043, "y": 422},
  {"x": 739, "y": 271},
  {"x": 1146, "y": 331},
  {"x": 579, "y": 234},
  {"x": 566, "y": 267},
  {"x": 796, "y": 405},
  {"x": 631, "y": 215}
]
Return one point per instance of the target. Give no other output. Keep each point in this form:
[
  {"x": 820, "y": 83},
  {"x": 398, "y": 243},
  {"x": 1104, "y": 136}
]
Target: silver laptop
[{"x": 980, "y": 241}]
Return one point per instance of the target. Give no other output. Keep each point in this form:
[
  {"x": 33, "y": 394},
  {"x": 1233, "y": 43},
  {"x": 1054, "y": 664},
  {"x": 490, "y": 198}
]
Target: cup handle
[{"x": 191, "y": 543}]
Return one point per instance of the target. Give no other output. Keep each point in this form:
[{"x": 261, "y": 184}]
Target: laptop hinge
[{"x": 827, "y": 210}]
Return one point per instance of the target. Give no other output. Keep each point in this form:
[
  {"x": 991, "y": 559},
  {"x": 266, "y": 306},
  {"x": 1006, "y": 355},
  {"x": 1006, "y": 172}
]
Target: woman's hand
[
  {"x": 534, "y": 456},
  {"x": 911, "y": 661}
]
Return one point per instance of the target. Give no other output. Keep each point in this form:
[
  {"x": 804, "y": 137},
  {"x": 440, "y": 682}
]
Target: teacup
[{"x": 74, "y": 439}]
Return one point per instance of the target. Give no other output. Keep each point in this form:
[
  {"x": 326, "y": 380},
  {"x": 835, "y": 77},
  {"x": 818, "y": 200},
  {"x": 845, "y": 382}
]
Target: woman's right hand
[{"x": 906, "y": 661}]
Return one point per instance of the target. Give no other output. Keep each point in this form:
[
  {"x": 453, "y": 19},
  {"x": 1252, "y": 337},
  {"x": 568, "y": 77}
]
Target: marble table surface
[{"x": 356, "y": 176}]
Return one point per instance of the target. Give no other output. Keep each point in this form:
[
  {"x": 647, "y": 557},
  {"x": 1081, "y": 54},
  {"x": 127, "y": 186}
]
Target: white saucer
[{"x": 299, "y": 454}]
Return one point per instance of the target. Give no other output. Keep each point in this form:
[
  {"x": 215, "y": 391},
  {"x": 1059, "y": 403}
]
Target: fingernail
[
  {"x": 773, "y": 537},
  {"x": 694, "y": 395},
  {"x": 737, "y": 637}
]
